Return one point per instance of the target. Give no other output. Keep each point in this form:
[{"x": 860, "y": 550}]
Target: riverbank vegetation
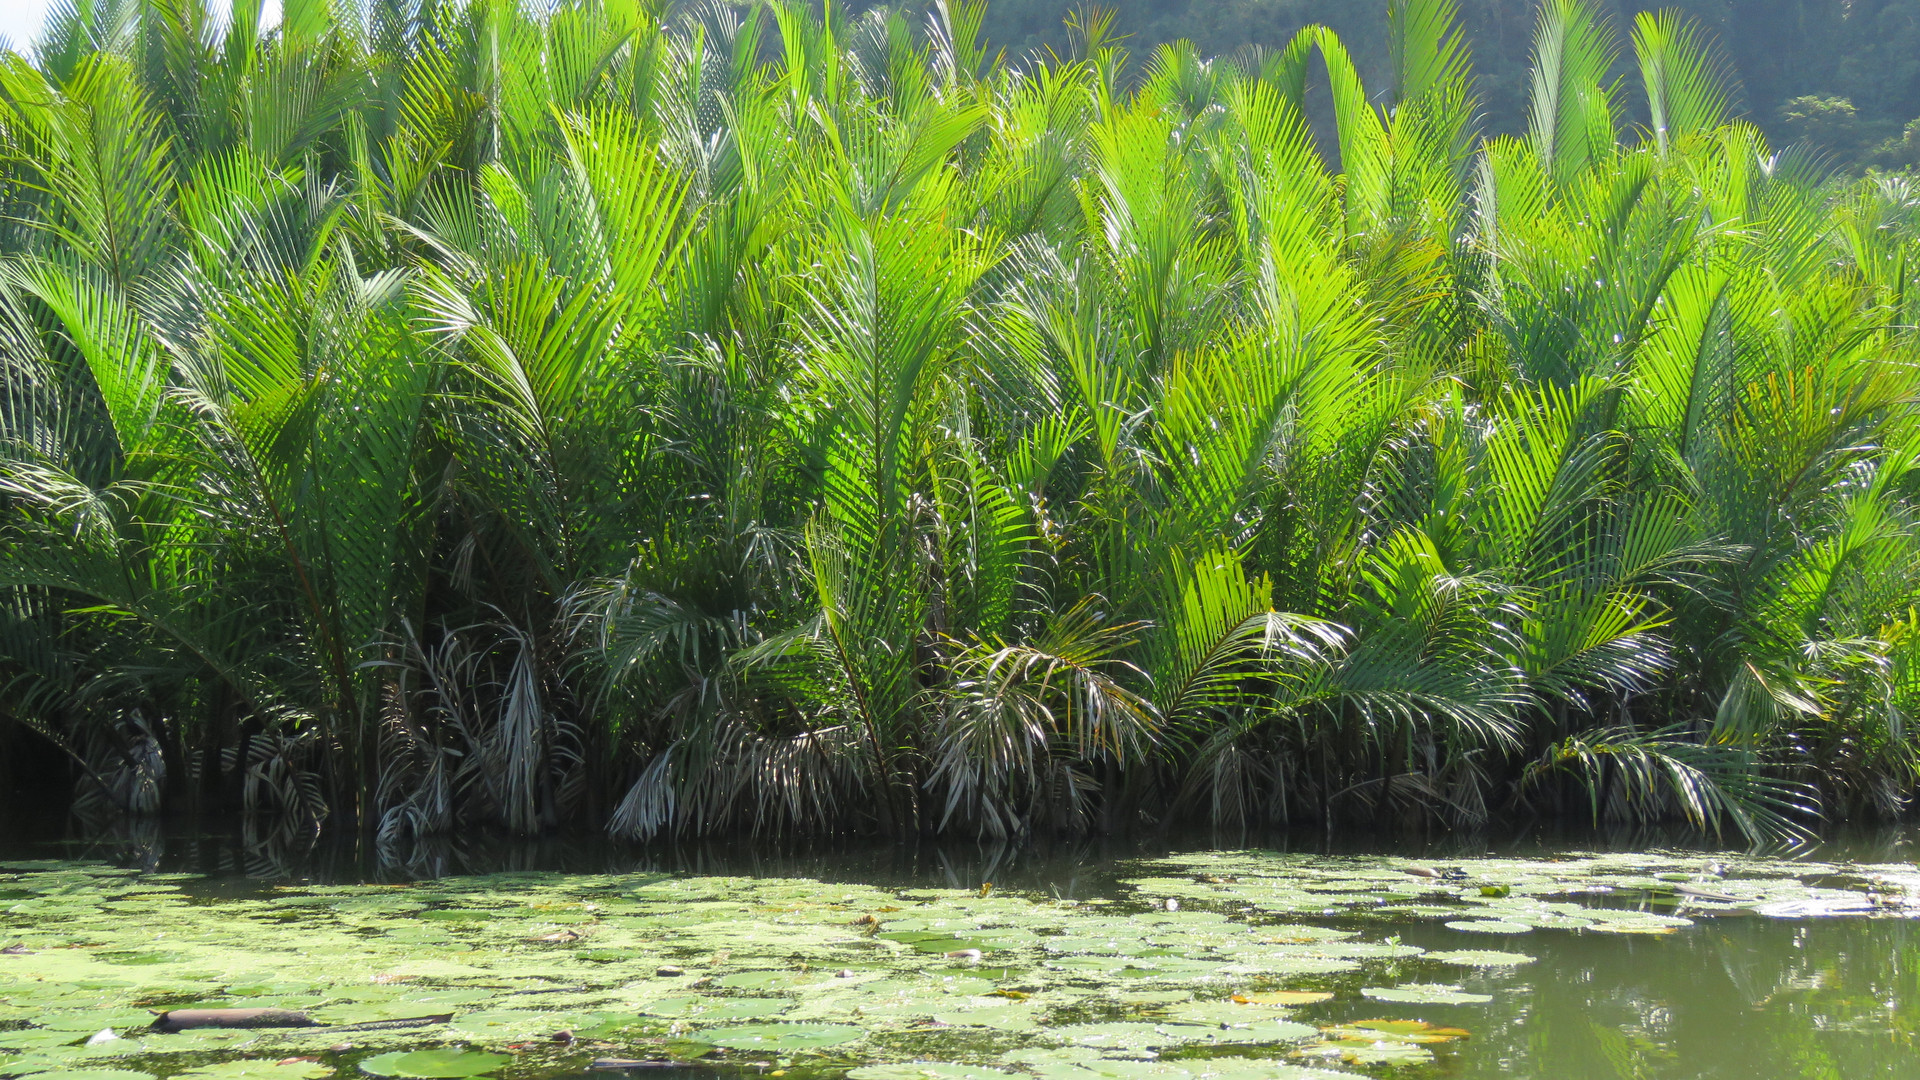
[{"x": 755, "y": 417}]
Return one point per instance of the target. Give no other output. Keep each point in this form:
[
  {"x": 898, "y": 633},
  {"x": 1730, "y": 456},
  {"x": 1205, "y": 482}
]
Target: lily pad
[
  {"x": 1010, "y": 1017},
  {"x": 850, "y": 960},
  {"x": 767, "y": 980},
  {"x": 512, "y": 1023},
  {"x": 38, "y": 1038},
  {"x": 1361, "y": 1050},
  {"x": 258, "y": 1070},
  {"x": 695, "y": 1007},
  {"x": 92, "y": 1074},
  {"x": 784, "y": 1037},
  {"x": 1256, "y": 1023},
  {"x": 90, "y": 1022},
  {"x": 1489, "y": 926},
  {"x": 460, "y": 996},
  {"x": 1259, "y": 1032},
  {"x": 31, "y": 1064},
  {"x": 1127, "y": 1035},
  {"x": 1406, "y": 1030},
  {"x": 1481, "y": 958},
  {"x": 1425, "y": 994},
  {"x": 370, "y": 1012},
  {"x": 1820, "y": 908}
]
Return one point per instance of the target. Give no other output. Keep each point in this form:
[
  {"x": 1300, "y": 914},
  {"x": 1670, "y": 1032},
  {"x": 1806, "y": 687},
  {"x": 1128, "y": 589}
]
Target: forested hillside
[
  {"x": 681, "y": 420},
  {"x": 1841, "y": 75}
]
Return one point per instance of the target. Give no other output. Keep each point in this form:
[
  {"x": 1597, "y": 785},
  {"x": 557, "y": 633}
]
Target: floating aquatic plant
[
  {"x": 785, "y": 1038},
  {"x": 1426, "y": 994},
  {"x": 1480, "y": 958},
  {"x": 552, "y": 966}
]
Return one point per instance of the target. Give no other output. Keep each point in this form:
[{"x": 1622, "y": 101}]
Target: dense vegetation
[
  {"x": 1842, "y": 76},
  {"x": 744, "y": 418}
]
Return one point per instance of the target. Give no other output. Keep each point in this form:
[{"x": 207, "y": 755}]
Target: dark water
[{"x": 1740, "y": 999}]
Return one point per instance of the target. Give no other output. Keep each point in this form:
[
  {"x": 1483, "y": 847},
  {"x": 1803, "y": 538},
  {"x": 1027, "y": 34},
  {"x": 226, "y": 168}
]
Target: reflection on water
[
  {"x": 1746, "y": 998},
  {"x": 263, "y": 850}
]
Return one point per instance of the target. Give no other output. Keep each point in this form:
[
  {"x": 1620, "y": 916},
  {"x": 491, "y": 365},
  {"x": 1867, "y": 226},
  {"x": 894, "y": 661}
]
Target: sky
[{"x": 20, "y": 19}]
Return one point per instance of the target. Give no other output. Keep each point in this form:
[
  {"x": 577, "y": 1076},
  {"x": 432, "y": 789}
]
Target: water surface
[{"x": 1080, "y": 957}]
